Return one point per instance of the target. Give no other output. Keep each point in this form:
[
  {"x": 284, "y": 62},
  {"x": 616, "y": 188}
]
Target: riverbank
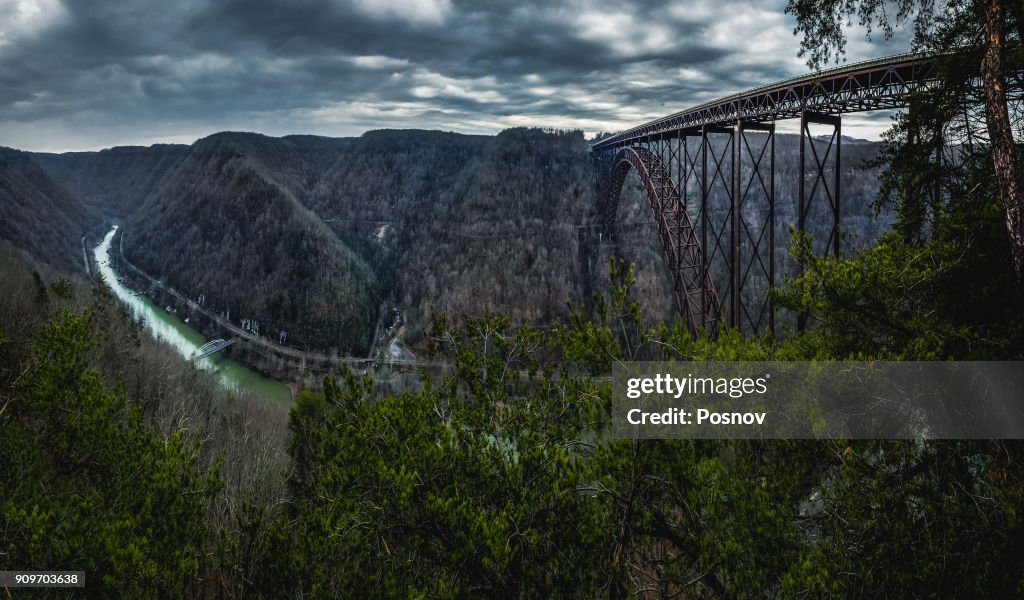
[
  {"x": 297, "y": 368},
  {"x": 178, "y": 333}
]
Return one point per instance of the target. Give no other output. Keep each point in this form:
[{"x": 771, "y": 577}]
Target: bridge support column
[
  {"x": 718, "y": 167},
  {"x": 674, "y": 162},
  {"x": 691, "y": 156},
  {"x": 754, "y": 227},
  {"x": 820, "y": 185}
]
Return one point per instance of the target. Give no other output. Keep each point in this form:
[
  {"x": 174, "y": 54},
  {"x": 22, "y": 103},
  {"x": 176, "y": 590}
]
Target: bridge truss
[
  {"x": 210, "y": 348},
  {"x": 709, "y": 176}
]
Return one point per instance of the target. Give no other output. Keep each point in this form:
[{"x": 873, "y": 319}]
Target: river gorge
[{"x": 184, "y": 339}]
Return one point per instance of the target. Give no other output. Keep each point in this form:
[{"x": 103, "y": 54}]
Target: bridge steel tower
[{"x": 709, "y": 176}]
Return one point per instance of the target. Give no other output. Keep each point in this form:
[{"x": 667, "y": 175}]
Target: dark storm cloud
[{"x": 86, "y": 74}]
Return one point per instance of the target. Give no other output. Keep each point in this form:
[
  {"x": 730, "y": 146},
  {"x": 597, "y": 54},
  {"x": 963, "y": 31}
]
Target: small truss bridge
[{"x": 211, "y": 347}]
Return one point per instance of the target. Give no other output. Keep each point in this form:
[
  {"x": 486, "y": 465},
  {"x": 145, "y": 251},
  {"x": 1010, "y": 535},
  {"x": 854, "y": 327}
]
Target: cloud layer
[{"x": 87, "y": 74}]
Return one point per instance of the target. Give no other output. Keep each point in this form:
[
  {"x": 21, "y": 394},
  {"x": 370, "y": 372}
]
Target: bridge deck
[{"x": 870, "y": 85}]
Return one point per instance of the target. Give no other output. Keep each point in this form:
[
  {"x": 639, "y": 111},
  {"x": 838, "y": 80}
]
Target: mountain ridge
[{"x": 39, "y": 216}]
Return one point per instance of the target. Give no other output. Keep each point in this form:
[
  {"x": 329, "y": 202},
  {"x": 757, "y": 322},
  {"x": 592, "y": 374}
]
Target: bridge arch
[
  {"x": 740, "y": 239},
  {"x": 211, "y": 347},
  {"x": 693, "y": 289}
]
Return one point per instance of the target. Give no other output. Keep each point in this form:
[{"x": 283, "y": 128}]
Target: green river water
[{"x": 185, "y": 340}]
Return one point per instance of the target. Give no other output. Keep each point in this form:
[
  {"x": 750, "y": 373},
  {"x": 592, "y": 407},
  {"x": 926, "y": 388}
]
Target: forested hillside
[
  {"x": 425, "y": 222},
  {"x": 443, "y": 220},
  {"x": 466, "y": 225},
  {"x": 119, "y": 458},
  {"x": 220, "y": 227},
  {"x": 39, "y": 216},
  {"x": 115, "y": 180}
]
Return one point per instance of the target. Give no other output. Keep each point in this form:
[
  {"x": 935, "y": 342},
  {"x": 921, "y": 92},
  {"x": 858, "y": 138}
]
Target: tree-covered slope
[
  {"x": 295, "y": 162},
  {"x": 37, "y": 215},
  {"x": 114, "y": 180},
  {"x": 220, "y": 226},
  {"x": 508, "y": 240}
]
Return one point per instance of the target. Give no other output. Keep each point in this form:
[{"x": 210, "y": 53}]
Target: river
[{"x": 185, "y": 340}]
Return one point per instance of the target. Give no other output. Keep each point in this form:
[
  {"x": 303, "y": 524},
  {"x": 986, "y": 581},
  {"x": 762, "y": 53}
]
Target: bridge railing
[{"x": 893, "y": 61}]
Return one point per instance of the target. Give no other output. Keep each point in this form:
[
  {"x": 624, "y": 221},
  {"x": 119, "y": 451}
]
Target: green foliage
[
  {"x": 86, "y": 485},
  {"x": 439, "y": 495},
  {"x": 822, "y": 25},
  {"x": 951, "y": 296},
  {"x": 500, "y": 479},
  {"x": 928, "y": 520}
]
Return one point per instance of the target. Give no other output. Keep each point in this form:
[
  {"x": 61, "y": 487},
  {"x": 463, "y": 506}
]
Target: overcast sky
[{"x": 89, "y": 74}]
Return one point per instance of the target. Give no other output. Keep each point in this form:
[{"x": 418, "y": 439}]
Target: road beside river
[{"x": 185, "y": 340}]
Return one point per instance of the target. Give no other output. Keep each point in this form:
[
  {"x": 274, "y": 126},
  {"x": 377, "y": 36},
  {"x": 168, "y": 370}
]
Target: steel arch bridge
[
  {"x": 210, "y": 348},
  {"x": 709, "y": 176}
]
